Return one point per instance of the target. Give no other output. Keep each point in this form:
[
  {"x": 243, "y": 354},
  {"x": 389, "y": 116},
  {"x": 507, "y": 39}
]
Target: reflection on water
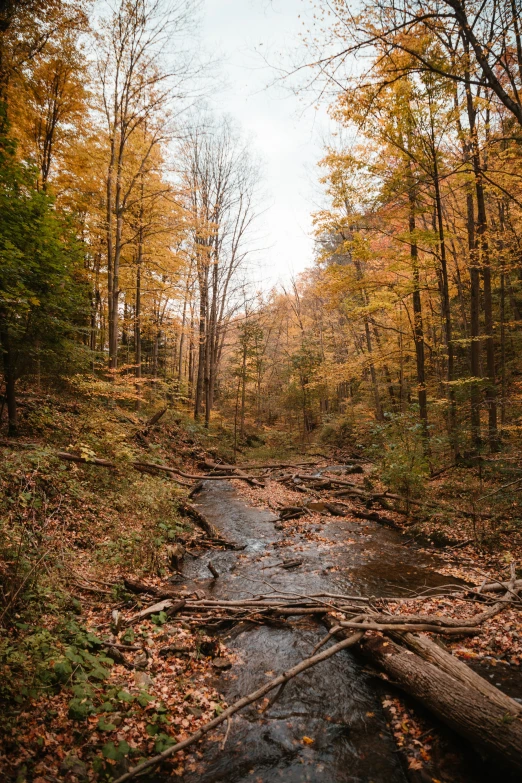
[{"x": 334, "y": 704}]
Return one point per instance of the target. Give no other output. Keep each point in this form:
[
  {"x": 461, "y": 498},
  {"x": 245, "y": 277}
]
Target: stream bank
[{"x": 328, "y": 724}]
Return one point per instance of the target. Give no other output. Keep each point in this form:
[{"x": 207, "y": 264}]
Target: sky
[{"x": 286, "y": 132}]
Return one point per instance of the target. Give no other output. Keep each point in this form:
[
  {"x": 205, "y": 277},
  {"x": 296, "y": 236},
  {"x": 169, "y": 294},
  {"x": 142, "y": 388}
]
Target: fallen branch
[
  {"x": 238, "y": 705},
  {"x": 261, "y": 465},
  {"x": 405, "y": 626},
  {"x": 168, "y": 606},
  {"x": 234, "y": 472}
]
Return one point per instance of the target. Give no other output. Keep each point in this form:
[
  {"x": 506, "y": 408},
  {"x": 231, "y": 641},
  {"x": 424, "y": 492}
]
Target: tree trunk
[
  {"x": 418, "y": 329},
  {"x": 480, "y": 719},
  {"x": 446, "y": 309},
  {"x": 483, "y": 246},
  {"x": 243, "y": 389},
  {"x": 9, "y": 375},
  {"x": 482, "y": 260},
  {"x": 475, "y": 327},
  {"x": 433, "y": 652},
  {"x": 202, "y": 349}
]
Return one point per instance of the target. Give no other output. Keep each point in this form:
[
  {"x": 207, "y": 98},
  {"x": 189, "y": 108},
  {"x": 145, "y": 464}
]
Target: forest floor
[
  {"x": 77, "y": 708},
  {"x": 70, "y": 533}
]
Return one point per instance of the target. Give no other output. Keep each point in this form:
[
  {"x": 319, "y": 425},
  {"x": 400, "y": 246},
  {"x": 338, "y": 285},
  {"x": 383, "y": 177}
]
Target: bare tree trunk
[
  {"x": 9, "y": 376},
  {"x": 482, "y": 260},
  {"x": 373, "y": 374},
  {"x": 418, "y": 329},
  {"x": 202, "y": 351},
  {"x": 483, "y": 246},
  {"x": 475, "y": 326},
  {"x": 446, "y": 309},
  {"x": 190, "y": 369},
  {"x": 243, "y": 388}
]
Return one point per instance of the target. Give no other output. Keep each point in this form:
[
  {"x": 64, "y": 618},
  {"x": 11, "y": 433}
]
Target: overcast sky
[{"x": 288, "y": 136}]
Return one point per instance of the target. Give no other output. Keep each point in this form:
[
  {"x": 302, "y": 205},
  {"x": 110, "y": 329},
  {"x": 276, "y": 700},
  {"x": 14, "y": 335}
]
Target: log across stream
[{"x": 327, "y": 725}]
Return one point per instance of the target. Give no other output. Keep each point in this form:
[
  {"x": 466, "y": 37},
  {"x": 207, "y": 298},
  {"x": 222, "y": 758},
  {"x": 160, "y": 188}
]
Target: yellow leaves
[
  {"x": 308, "y": 740},
  {"x": 86, "y": 452}
]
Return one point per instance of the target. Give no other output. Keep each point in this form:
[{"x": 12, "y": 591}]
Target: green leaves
[
  {"x": 144, "y": 699},
  {"x": 41, "y": 293},
  {"x": 116, "y": 752},
  {"x": 105, "y": 725},
  {"x": 163, "y": 741},
  {"x": 80, "y": 709},
  {"x": 62, "y": 671},
  {"x": 129, "y": 636}
]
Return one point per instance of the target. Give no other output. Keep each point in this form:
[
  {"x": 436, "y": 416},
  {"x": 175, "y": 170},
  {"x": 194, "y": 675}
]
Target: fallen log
[
  {"x": 285, "y": 564},
  {"x": 337, "y": 509},
  {"x": 261, "y": 465},
  {"x": 154, "y": 467},
  {"x": 234, "y": 472},
  {"x": 467, "y": 710},
  {"x": 142, "y": 467},
  {"x": 499, "y": 587},
  {"x": 434, "y": 653},
  {"x": 147, "y": 467},
  {"x": 196, "y": 489},
  {"x": 137, "y": 587},
  {"x": 188, "y": 510},
  {"x": 373, "y": 516},
  {"x": 238, "y": 705}
]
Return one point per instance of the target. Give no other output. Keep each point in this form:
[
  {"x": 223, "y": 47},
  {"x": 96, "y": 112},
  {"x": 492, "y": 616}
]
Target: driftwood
[{"x": 238, "y": 705}]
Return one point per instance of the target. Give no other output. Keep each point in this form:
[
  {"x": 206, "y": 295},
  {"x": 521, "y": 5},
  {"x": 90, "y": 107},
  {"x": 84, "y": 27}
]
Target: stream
[{"x": 335, "y": 706}]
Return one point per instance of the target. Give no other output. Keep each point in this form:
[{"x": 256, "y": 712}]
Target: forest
[{"x": 210, "y": 485}]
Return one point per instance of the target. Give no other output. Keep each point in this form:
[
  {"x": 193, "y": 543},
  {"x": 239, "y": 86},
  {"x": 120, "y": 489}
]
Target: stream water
[{"x": 336, "y": 704}]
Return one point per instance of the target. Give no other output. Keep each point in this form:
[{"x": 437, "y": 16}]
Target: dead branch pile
[{"x": 469, "y": 704}]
